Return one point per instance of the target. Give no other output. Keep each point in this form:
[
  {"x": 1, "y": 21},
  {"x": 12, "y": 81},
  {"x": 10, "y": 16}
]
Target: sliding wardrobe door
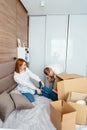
[
  {"x": 56, "y": 40},
  {"x": 77, "y": 45},
  {"x": 36, "y": 44}
]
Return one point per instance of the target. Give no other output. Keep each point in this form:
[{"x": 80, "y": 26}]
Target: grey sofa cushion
[
  {"x": 21, "y": 102},
  {"x": 6, "y": 106}
]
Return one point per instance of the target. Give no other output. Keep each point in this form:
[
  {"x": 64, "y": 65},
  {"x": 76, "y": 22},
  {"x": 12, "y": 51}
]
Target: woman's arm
[
  {"x": 33, "y": 76},
  {"x": 18, "y": 79}
]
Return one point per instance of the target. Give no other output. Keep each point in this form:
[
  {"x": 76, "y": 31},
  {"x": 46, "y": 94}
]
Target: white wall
[
  {"x": 77, "y": 45},
  {"x": 56, "y": 35},
  {"x": 36, "y": 44}
]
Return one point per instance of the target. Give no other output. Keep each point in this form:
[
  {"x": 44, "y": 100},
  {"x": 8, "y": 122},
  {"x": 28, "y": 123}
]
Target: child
[{"x": 51, "y": 73}]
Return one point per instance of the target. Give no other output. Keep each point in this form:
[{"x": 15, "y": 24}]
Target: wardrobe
[{"x": 58, "y": 39}]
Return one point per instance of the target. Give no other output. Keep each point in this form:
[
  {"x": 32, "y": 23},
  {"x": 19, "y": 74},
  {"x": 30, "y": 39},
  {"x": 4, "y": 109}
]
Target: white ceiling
[{"x": 56, "y": 7}]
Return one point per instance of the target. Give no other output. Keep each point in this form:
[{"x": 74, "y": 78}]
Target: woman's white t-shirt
[{"x": 24, "y": 82}]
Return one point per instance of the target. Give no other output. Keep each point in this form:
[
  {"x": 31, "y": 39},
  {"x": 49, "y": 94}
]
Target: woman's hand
[{"x": 38, "y": 91}]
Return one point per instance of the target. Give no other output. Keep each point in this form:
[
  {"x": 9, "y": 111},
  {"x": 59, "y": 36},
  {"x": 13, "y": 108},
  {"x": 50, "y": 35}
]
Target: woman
[{"x": 25, "y": 86}]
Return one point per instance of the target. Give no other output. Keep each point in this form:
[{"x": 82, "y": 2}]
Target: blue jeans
[
  {"x": 46, "y": 92},
  {"x": 29, "y": 96}
]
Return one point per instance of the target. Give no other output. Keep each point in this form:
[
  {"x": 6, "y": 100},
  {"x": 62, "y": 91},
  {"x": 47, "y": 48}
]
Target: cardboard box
[
  {"x": 72, "y": 99},
  {"x": 64, "y": 76},
  {"x": 62, "y": 115},
  {"x": 74, "y": 85}
]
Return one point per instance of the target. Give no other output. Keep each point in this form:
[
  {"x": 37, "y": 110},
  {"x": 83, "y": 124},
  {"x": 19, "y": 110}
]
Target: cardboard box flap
[
  {"x": 69, "y": 116},
  {"x": 69, "y": 120},
  {"x": 64, "y": 76},
  {"x": 81, "y": 115},
  {"x": 75, "y": 96},
  {"x": 55, "y": 114},
  {"x": 61, "y": 90},
  {"x": 62, "y": 107},
  {"x": 57, "y": 105},
  {"x": 66, "y": 108}
]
